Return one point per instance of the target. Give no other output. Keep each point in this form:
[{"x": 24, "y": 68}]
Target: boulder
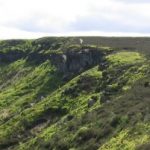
[{"x": 91, "y": 102}]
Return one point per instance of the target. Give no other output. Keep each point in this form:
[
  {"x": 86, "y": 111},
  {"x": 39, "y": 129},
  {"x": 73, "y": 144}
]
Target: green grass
[
  {"x": 78, "y": 108},
  {"x": 129, "y": 138},
  {"x": 41, "y": 110},
  {"x": 121, "y": 58}
]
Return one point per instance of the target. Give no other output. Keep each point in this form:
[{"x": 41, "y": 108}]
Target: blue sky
[{"x": 37, "y": 18}]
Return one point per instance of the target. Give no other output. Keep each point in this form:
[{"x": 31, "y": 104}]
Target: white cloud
[
  {"x": 34, "y": 18},
  {"x": 13, "y": 33}
]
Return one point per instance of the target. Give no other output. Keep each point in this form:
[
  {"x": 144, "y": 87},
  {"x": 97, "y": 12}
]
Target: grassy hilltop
[{"x": 58, "y": 94}]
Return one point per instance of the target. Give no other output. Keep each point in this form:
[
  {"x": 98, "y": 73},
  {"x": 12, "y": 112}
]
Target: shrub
[{"x": 85, "y": 134}]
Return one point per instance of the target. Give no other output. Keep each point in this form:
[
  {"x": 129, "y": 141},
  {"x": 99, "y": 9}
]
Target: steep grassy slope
[{"x": 55, "y": 95}]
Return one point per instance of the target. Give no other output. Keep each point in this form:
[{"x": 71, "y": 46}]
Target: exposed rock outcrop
[
  {"x": 68, "y": 61},
  {"x": 77, "y": 61},
  {"x": 11, "y": 56}
]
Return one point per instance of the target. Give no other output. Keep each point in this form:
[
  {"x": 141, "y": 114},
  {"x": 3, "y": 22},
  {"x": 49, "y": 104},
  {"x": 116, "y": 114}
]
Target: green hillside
[{"x": 58, "y": 94}]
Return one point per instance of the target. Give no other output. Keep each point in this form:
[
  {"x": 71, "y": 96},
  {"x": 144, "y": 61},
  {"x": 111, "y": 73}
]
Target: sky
[{"x": 37, "y": 18}]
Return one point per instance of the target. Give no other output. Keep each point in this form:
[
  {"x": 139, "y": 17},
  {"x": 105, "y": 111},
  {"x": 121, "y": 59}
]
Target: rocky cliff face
[
  {"x": 68, "y": 61},
  {"x": 77, "y": 61}
]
